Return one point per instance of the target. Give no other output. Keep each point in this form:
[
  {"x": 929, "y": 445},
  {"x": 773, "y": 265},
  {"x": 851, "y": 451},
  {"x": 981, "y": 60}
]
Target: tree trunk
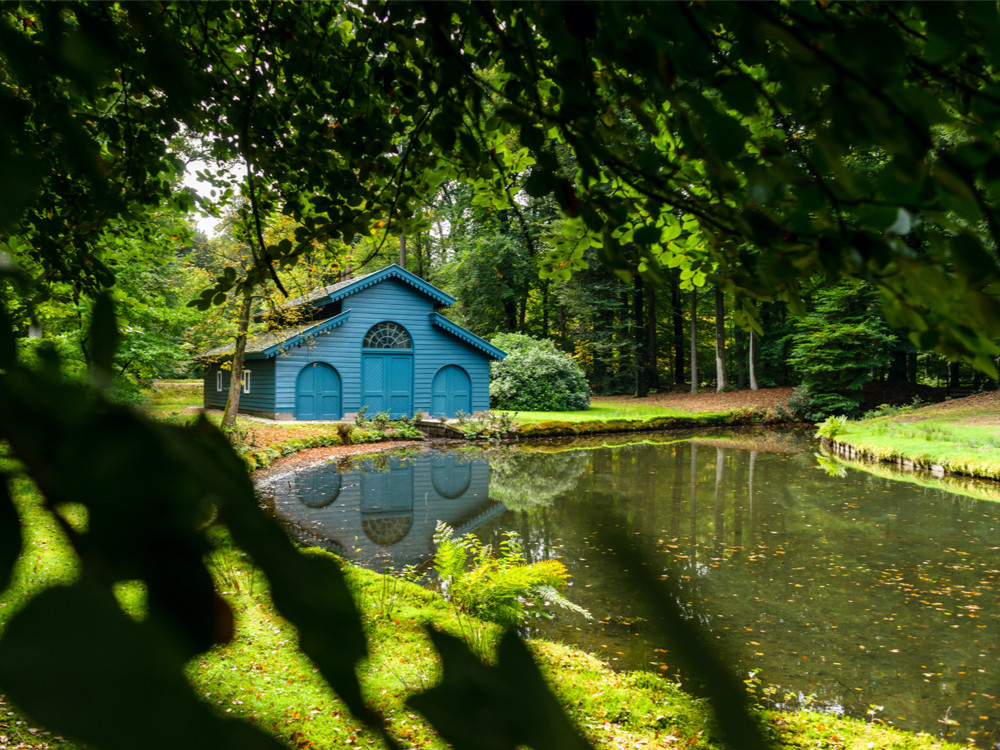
[
  {"x": 678, "y": 320},
  {"x": 545, "y": 308},
  {"x": 402, "y": 251},
  {"x": 740, "y": 356},
  {"x": 720, "y": 341},
  {"x": 652, "y": 344},
  {"x": 694, "y": 340},
  {"x": 236, "y": 377},
  {"x": 510, "y": 313},
  {"x": 641, "y": 355},
  {"x": 752, "y": 360},
  {"x": 954, "y": 375}
]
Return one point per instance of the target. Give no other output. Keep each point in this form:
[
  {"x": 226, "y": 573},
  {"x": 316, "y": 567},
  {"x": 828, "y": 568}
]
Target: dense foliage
[{"x": 536, "y": 376}]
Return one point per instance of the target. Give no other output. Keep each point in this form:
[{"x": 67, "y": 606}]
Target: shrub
[
  {"x": 344, "y": 432},
  {"x": 487, "y": 426},
  {"x": 536, "y": 376},
  {"x": 831, "y": 427}
]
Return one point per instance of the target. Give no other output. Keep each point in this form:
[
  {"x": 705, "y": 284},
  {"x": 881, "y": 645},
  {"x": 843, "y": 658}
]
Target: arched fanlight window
[{"x": 387, "y": 336}]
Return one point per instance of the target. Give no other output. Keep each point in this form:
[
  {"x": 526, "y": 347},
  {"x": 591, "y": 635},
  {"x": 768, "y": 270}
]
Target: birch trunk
[{"x": 720, "y": 341}]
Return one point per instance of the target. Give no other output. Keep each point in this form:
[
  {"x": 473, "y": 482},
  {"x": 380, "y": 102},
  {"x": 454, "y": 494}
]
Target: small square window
[
  {"x": 246, "y": 381},
  {"x": 218, "y": 380}
]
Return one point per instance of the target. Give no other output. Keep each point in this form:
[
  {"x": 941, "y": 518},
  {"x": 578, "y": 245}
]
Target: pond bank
[{"x": 958, "y": 437}]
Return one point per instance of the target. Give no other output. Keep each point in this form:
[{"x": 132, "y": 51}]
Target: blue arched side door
[
  {"x": 317, "y": 392},
  {"x": 451, "y": 392}
]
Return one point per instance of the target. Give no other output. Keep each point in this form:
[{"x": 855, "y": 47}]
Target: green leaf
[
  {"x": 726, "y": 137},
  {"x": 8, "y": 344},
  {"x": 477, "y": 706},
  {"x": 81, "y": 667},
  {"x": 10, "y": 534},
  {"x": 539, "y": 183},
  {"x": 308, "y": 589},
  {"x": 740, "y": 94},
  {"x": 103, "y": 339},
  {"x": 532, "y": 137},
  {"x": 647, "y": 235},
  {"x": 971, "y": 258}
]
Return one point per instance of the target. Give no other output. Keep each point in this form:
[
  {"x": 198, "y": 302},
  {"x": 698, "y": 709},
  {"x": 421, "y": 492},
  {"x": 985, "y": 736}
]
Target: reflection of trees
[{"x": 526, "y": 480}]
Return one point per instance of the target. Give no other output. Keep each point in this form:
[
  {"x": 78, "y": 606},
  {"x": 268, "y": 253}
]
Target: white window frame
[
  {"x": 218, "y": 380},
  {"x": 246, "y": 381}
]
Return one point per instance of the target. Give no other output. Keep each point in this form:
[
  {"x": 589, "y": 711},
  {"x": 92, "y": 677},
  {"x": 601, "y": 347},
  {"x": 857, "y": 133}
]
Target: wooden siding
[
  {"x": 261, "y": 395},
  {"x": 433, "y": 349}
]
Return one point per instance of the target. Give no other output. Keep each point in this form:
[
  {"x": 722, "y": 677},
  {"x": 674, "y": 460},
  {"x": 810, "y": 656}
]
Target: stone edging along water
[
  {"x": 845, "y": 450},
  {"x": 558, "y": 428}
]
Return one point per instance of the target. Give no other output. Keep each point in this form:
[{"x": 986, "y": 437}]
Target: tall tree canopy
[
  {"x": 741, "y": 117},
  {"x": 737, "y": 117}
]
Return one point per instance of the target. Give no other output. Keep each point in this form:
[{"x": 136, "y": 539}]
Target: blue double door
[
  {"x": 387, "y": 384},
  {"x": 318, "y": 393},
  {"x": 451, "y": 392}
]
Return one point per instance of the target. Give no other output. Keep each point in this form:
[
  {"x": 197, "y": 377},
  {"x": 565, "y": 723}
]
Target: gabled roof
[
  {"x": 343, "y": 289},
  {"x": 467, "y": 336},
  {"x": 272, "y": 343}
]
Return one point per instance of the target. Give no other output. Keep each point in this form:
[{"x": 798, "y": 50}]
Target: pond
[{"x": 842, "y": 589}]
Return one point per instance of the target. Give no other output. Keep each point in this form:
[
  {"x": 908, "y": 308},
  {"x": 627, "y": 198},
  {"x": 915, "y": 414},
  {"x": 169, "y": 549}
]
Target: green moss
[{"x": 547, "y": 429}]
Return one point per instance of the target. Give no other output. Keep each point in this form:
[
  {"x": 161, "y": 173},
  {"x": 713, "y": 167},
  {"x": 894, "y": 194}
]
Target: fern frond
[{"x": 554, "y": 597}]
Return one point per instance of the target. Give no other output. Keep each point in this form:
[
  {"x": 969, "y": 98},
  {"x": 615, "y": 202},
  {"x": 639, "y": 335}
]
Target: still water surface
[{"x": 850, "y": 592}]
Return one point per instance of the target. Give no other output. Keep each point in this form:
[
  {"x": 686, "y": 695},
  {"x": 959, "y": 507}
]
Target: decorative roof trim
[
  {"x": 310, "y": 333},
  {"x": 467, "y": 336},
  {"x": 394, "y": 272}
]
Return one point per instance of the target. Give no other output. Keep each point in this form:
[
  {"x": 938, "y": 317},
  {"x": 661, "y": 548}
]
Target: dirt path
[
  {"x": 982, "y": 409},
  {"x": 765, "y": 398}
]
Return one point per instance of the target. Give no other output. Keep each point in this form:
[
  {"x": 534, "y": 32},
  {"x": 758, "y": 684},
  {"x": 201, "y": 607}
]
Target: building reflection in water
[{"x": 382, "y": 511}]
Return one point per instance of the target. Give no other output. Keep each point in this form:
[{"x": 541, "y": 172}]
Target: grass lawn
[
  {"x": 961, "y": 436},
  {"x": 181, "y": 401},
  {"x": 262, "y": 677},
  {"x": 598, "y": 411}
]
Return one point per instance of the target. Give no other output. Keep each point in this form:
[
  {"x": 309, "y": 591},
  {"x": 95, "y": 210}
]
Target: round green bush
[{"x": 536, "y": 376}]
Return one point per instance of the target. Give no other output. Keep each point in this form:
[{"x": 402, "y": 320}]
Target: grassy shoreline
[
  {"x": 263, "y": 678},
  {"x": 960, "y": 437}
]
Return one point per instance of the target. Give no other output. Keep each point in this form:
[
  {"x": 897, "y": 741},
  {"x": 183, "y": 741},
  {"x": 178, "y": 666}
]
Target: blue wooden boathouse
[{"x": 375, "y": 341}]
